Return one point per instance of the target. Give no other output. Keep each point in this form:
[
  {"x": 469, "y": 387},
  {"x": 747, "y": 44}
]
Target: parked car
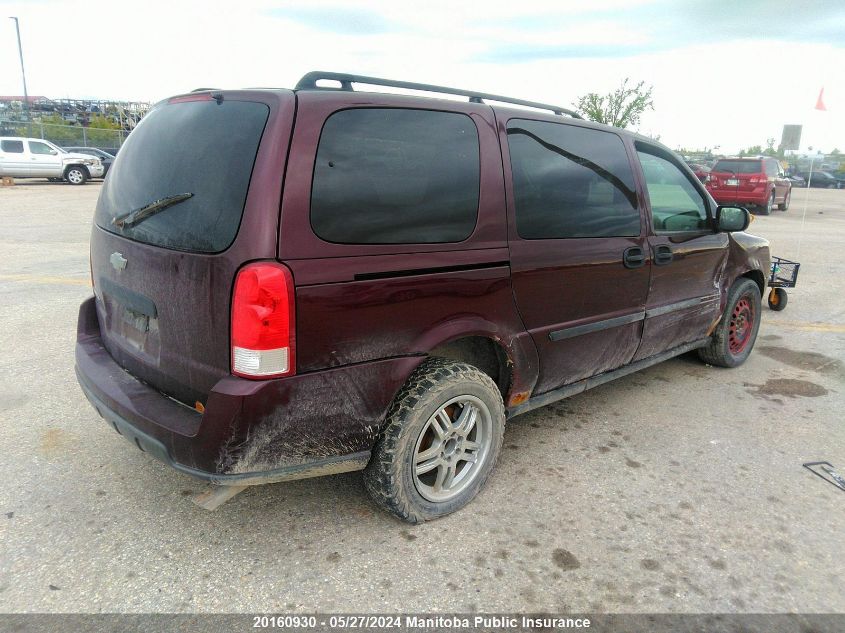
[
  {"x": 700, "y": 170},
  {"x": 363, "y": 287},
  {"x": 760, "y": 182},
  {"x": 105, "y": 158},
  {"x": 36, "y": 158},
  {"x": 823, "y": 180}
]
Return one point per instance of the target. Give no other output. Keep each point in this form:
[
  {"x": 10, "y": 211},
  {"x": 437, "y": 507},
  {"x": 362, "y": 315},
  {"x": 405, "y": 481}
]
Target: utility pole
[{"x": 23, "y": 73}]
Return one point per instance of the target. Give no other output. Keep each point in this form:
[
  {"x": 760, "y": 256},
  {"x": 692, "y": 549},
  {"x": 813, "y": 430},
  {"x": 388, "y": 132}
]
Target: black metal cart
[{"x": 784, "y": 275}]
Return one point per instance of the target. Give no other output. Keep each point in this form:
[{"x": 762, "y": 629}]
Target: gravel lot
[{"x": 678, "y": 489}]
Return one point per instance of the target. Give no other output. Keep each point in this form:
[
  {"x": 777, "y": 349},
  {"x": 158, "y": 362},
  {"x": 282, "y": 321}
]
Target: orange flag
[{"x": 820, "y": 100}]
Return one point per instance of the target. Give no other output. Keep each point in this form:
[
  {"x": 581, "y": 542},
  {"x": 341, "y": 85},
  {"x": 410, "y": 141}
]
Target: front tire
[
  {"x": 783, "y": 206},
  {"x": 441, "y": 440},
  {"x": 736, "y": 333},
  {"x": 76, "y": 175}
]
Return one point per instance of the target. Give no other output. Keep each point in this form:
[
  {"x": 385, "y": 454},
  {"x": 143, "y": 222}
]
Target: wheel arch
[
  {"x": 484, "y": 352},
  {"x": 757, "y": 277},
  {"x": 517, "y": 363}
]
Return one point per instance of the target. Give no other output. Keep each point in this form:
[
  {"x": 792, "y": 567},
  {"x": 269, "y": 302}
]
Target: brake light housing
[{"x": 263, "y": 325}]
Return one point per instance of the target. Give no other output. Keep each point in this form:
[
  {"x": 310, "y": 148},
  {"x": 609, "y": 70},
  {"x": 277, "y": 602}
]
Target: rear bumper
[
  {"x": 251, "y": 432},
  {"x": 728, "y": 196},
  {"x": 149, "y": 444}
]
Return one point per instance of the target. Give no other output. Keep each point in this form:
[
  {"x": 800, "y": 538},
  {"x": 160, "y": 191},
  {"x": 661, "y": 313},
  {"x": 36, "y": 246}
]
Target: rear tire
[
  {"x": 76, "y": 175},
  {"x": 441, "y": 440},
  {"x": 783, "y": 206},
  {"x": 777, "y": 299},
  {"x": 770, "y": 203},
  {"x": 736, "y": 333}
]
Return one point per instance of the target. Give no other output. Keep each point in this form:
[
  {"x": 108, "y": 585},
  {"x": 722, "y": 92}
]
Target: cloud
[
  {"x": 662, "y": 25},
  {"x": 336, "y": 19}
]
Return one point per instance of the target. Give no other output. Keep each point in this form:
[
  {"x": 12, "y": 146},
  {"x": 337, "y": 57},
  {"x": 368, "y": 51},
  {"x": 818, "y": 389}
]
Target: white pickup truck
[{"x": 36, "y": 158}]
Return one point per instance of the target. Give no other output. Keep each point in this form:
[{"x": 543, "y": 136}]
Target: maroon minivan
[{"x": 291, "y": 283}]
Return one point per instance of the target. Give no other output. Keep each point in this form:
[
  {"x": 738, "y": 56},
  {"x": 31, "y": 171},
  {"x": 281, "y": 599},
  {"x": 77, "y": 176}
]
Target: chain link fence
[{"x": 66, "y": 135}]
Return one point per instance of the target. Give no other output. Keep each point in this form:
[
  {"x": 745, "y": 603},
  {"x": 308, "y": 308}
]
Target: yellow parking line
[
  {"x": 46, "y": 279},
  {"x": 809, "y": 326}
]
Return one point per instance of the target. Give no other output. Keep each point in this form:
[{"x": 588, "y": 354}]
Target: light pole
[{"x": 23, "y": 73}]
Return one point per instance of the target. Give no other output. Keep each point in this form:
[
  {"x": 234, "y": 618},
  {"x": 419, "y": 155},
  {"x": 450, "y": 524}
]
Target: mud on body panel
[{"x": 313, "y": 416}]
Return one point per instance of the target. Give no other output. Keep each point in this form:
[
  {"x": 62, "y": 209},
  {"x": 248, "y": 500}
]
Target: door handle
[
  {"x": 662, "y": 255},
  {"x": 633, "y": 257}
]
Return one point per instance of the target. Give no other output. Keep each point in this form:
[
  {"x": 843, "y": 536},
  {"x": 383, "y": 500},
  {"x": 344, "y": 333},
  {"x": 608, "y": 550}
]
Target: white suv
[{"x": 37, "y": 158}]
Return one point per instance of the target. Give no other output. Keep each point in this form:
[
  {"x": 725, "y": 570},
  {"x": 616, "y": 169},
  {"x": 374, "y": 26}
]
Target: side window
[
  {"x": 40, "y": 148},
  {"x": 12, "y": 147},
  {"x": 395, "y": 176},
  {"x": 771, "y": 168},
  {"x": 570, "y": 181},
  {"x": 676, "y": 205}
]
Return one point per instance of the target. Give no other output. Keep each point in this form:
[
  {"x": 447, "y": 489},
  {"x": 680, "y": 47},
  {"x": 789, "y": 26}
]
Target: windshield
[
  {"x": 739, "y": 166},
  {"x": 200, "y": 147}
]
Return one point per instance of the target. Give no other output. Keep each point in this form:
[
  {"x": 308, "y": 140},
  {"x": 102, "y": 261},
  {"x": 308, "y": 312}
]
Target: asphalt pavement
[{"x": 676, "y": 489}]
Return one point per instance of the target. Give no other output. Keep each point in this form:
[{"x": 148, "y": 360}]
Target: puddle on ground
[
  {"x": 810, "y": 361},
  {"x": 789, "y": 387}
]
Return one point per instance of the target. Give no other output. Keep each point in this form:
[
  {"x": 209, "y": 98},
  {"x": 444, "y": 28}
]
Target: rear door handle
[
  {"x": 633, "y": 257},
  {"x": 662, "y": 255}
]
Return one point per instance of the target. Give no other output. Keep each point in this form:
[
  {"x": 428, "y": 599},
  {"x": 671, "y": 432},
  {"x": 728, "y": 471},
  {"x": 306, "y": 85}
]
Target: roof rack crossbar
[{"x": 309, "y": 82}]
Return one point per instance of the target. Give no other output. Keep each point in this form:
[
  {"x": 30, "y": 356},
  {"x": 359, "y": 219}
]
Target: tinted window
[
  {"x": 196, "y": 147},
  {"x": 739, "y": 166},
  {"x": 570, "y": 181},
  {"x": 388, "y": 176},
  {"x": 40, "y": 148},
  {"x": 676, "y": 205},
  {"x": 771, "y": 168},
  {"x": 12, "y": 147}
]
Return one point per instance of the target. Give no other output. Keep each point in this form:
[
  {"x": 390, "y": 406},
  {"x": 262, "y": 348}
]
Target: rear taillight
[
  {"x": 263, "y": 322},
  {"x": 758, "y": 179}
]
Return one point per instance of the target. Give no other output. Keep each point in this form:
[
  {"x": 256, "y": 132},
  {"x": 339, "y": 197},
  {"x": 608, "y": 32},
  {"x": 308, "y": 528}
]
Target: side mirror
[
  {"x": 732, "y": 219},
  {"x": 53, "y": 152}
]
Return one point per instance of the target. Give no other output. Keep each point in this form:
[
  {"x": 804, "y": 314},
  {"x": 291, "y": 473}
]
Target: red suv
[
  {"x": 291, "y": 283},
  {"x": 750, "y": 181}
]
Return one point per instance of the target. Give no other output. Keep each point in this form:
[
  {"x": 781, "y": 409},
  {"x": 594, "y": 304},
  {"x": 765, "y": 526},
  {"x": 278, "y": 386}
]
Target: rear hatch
[
  {"x": 192, "y": 195},
  {"x": 737, "y": 175}
]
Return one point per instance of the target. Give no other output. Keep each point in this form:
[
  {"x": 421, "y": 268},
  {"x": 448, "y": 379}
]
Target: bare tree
[{"x": 619, "y": 108}]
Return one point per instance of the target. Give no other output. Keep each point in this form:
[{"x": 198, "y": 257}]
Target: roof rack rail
[{"x": 309, "y": 82}]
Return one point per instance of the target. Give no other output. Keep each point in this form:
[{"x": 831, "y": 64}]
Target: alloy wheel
[{"x": 450, "y": 451}]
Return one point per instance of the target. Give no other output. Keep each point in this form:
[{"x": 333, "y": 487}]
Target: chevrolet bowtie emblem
[{"x": 118, "y": 261}]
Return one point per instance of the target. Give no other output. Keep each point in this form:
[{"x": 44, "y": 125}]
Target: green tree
[
  {"x": 754, "y": 150},
  {"x": 770, "y": 148},
  {"x": 53, "y": 128},
  {"x": 619, "y": 108},
  {"x": 102, "y": 130}
]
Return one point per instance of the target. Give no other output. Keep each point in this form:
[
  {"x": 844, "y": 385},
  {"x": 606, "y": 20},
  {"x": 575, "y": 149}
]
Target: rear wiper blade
[{"x": 141, "y": 214}]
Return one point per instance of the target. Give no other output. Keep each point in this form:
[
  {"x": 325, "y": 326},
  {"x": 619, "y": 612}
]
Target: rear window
[
  {"x": 13, "y": 147},
  {"x": 391, "y": 176},
  {"x": 739, "y": 166},
  {"x": 196, "y": 147}
]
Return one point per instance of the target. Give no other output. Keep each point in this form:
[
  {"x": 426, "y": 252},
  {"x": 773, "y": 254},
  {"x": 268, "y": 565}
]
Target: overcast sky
[{"x": 726, "y": 73}]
